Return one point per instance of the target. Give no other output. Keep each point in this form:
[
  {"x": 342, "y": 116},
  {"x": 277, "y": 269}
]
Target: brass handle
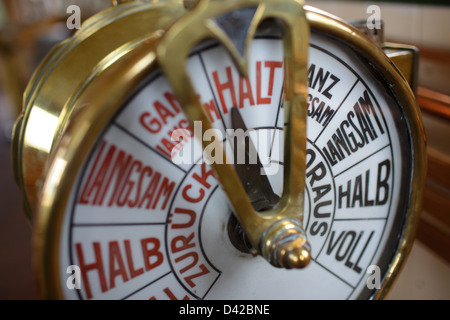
[{"x": 277, "y": 233}]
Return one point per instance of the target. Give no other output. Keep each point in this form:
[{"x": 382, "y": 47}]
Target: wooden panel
[
  {"x": 434, "y": 102},
  {"x": 17, "y": 280},
  {"x": 438, "y": 167},
  {"x": 437, "y": 205},
  {"x": 434, "y": 239},
  {"x": 434, "y": 225}
]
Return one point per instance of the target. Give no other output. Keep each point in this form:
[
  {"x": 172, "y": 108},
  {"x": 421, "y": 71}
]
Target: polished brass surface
[
  {"x": 125, "y": 44},
  {"x": 406, "y": 59}
]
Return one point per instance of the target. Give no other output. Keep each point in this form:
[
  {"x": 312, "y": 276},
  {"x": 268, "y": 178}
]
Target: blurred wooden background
[{"x": 17, "y": 279}]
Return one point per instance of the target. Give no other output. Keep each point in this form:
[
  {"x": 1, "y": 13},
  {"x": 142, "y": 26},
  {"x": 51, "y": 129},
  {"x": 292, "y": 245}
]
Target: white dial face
[{"x": 140, "y": 226}]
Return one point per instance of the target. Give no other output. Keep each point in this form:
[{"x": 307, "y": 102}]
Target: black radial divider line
[
  {"x": 362, "y": 160},
  {"x": 275, "y": 127},
  {"x": 340, "y": 105},
  {"x": 200, "y": 55},
  {"x": 126, "y": 131},
  {"x": 334, "y": 274}
]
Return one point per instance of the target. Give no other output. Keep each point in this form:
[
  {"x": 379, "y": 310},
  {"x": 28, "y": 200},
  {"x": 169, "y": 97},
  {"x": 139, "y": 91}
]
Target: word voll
[{"x": 374, "y": 20}]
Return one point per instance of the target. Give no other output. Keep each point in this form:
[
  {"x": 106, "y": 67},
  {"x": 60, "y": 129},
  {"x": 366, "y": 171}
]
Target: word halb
[
  {"x": 356, "y": 192},
  {"x": 120, "y": 262}
]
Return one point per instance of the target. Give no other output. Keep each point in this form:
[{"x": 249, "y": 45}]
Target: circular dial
[{"x": 141, "y": 225}]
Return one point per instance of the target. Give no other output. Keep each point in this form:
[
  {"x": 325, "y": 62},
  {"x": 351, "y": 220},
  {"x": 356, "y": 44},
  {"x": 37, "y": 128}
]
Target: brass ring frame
[{"x": 92, "y": 113}]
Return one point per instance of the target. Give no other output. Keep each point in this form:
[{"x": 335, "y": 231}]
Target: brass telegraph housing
[{"x": 82, "y": 82}]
